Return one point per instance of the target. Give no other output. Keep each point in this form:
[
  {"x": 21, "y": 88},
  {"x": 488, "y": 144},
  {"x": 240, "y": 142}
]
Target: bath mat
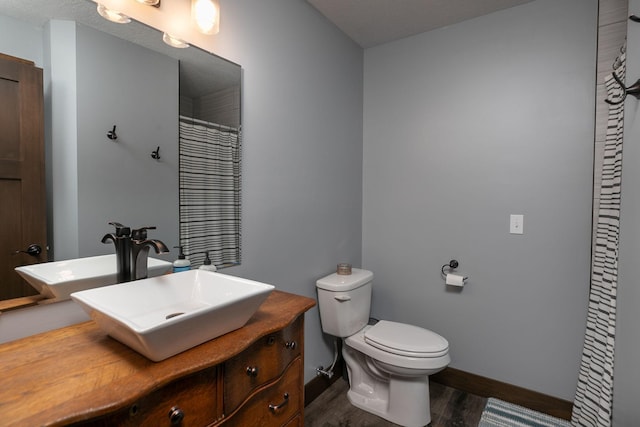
[{"x": 498, "y": 413}]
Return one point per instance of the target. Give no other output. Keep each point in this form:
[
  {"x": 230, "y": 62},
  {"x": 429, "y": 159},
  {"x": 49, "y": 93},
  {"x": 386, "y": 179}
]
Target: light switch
[{"x": 516, "y": 224}]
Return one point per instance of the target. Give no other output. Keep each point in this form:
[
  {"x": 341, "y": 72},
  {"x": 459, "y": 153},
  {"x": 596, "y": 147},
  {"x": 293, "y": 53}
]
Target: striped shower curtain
[
  {"x": 594, "y": 394},
  {"x": 209, "y": 192}
]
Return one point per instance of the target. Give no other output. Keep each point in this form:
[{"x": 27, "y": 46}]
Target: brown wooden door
[{"x": 22, "y": 174}]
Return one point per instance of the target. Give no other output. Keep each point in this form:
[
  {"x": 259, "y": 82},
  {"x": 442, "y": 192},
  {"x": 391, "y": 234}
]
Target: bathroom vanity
[{"x": 78, "y": 375}]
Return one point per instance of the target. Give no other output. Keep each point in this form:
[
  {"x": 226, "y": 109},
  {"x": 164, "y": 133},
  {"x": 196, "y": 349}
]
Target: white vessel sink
[
  {"x": 59, "y": 279},
  {"x": 163, "y": 316}
]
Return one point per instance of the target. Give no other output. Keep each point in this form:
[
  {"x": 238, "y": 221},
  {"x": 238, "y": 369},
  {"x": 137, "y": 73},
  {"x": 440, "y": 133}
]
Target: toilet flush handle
[{"x": 343, "y": 298}]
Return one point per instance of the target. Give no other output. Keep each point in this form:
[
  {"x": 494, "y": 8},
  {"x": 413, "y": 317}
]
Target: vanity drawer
[
  {"x": 194, "y": 399},
  {"x": 262, "y": 362},
  {"x": 296, "y": 422},
  {"x": 278, "y": 404}
]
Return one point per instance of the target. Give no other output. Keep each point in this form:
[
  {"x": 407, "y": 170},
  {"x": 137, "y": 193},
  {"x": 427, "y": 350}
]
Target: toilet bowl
[{"x": 388, "y": 363}]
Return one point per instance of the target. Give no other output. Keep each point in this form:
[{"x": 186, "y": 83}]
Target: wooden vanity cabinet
[
  {"x": 253, "y": 376},
  {"x": 260, "y": 364},
  {"x": 264, "y": 384},
  {"x": 275, "y": 404},
  {"x": 190, "y": 401}
]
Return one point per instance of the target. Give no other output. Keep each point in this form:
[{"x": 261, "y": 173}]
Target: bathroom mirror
[{"x": 134, "y": 179}]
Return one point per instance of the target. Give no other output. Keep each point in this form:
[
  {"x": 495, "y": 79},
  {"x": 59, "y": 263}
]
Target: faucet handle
[
  {"x": 121, "y": 230},
  {"x": 141, "y": 233}
]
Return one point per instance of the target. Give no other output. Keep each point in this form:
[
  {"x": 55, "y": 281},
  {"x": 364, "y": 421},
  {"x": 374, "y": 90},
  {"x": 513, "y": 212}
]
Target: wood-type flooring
[{"x": 449, "y": 408}]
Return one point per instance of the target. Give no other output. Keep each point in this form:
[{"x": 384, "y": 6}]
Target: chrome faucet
[
  {"x": 140, "y": 246},
  {"x": 132, "y": 251}
]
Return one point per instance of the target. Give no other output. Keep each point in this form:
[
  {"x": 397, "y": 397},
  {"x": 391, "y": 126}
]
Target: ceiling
[
  {"x": 368, "y": 22},
  {"x": 373, "y": 22}
]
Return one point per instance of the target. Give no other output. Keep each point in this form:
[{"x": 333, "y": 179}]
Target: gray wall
[
  {"x": 93, "y": 81},
  {"x": 464, "y": 126},
  {"x": 23, "y": 41},
  {"x": 61, "y": 138},
  {"x": 136, "y": 89},
  {"x": 626, "y": 411},
  {"x": 302, "y": 149}
]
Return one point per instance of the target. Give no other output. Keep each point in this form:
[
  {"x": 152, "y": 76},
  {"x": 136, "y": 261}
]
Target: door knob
[{"x": 34, "y": 250}]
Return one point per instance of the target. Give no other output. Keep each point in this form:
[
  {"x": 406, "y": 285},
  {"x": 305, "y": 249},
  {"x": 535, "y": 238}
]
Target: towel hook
[
  {"x": 112, "y": 134},
  {"x": 634, "y": 90},
  {"x": 156, "y": 154}
]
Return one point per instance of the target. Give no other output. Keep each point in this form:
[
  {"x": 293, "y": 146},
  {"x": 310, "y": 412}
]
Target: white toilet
[{"x": 388, "y": 363}]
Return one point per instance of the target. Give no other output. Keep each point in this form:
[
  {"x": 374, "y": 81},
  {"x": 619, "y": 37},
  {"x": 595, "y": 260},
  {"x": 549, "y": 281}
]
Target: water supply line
[{"x": 329, "y": 371}]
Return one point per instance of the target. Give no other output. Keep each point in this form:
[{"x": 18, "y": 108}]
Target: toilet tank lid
[{"x": 342, "y": 283}]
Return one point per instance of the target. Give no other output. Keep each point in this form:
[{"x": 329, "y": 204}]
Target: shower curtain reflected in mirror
[{"x": 210, "y": 192}]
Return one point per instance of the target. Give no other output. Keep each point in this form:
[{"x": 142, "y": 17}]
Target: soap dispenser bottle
[
  {"x": 182, "y": 263},
  {"x": 207, "y": 263}
]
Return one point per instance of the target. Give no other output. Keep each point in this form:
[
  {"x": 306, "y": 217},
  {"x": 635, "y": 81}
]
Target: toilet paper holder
[{"x": 452, "y": 265}]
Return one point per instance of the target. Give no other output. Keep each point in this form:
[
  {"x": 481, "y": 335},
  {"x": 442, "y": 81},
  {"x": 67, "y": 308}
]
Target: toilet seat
[
  {"x": 358, "y": 342},
  {"x": 406, "y": 340}
]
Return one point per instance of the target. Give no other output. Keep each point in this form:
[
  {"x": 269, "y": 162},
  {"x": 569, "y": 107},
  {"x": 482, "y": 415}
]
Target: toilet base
[
  {"x": 414, "y": 411},
  {"x": 401, "y": 400}
]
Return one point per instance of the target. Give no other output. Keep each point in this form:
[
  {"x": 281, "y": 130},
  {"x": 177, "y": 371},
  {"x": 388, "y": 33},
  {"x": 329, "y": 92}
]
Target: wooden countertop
[{"x": 78, "y": 372}]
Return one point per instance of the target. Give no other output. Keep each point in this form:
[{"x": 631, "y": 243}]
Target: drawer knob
[
  {"x": 291, "y": 345},
  {"x": 176, "y": 415},
  {"x": 252, "y": 371},
  {"x": 276, "y": 408}
]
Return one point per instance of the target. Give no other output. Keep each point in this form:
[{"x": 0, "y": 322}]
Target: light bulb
[
  {"x": 112, "y": 15},
  {"x": 173, "y": 41},
  {"x": 206, "y": 15}
]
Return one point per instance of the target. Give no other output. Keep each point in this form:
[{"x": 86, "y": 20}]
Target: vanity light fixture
[
  {"x": 205, "y": 15},
  {"x": 173, "y": 41},
  {"x": 112, "y": 15}
]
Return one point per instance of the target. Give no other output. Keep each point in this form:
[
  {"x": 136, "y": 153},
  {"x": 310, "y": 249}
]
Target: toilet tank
[{"x": 344, "y": 302}]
